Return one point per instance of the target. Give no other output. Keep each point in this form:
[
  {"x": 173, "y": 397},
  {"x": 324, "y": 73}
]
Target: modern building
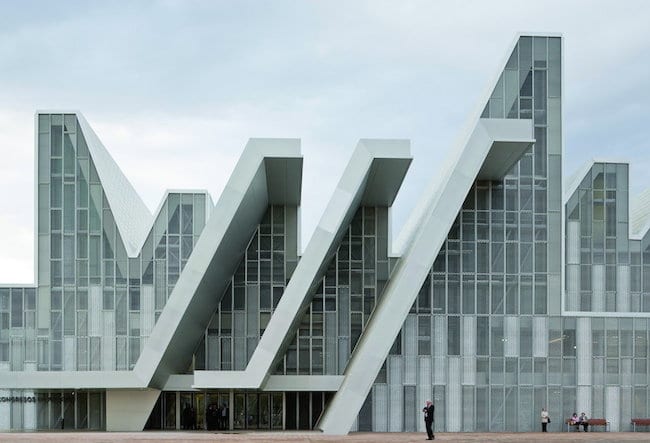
[{"x": 501, "y": 296}]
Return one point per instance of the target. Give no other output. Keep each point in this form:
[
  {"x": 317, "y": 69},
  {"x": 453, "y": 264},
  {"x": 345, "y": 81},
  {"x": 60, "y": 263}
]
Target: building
[{"x": 154, "y": 321}]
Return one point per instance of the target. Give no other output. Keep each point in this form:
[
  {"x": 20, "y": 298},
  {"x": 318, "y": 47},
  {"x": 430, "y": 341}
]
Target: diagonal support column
[
  {"x": 491, "y": 150},
  {"x": 373, "y": 177},
  {"x": 269, "y": 170}
]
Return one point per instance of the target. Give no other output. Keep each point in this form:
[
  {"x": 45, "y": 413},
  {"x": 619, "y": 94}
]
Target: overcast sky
[{"x": 175, "y": 88}]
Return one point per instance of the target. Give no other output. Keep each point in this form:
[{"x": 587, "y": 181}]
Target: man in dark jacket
[{"x": 428, "y": 419}]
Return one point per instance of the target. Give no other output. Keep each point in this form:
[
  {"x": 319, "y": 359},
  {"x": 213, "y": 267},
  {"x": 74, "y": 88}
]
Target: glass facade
[
  {"x": 254, "y": 291},
  {"x": 604, "y": 267},
  {"x": 475, "y": 340},
  {"x": 486, "y": 339},
  {"x": 344, "y": 300},
  {"x": 94, "y": 306}
]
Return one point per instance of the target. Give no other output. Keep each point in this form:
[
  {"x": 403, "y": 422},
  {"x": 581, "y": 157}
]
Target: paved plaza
[{"x": 313, "y": 437}]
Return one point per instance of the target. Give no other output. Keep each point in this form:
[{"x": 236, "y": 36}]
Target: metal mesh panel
[
  {"x": 540, "y": 337},
  {"x": 583, "y": 352},
  {"x": 454, "y": 406},
  {"x": 69, "y": 354},
  {"x": 511, "y": 336},
  {"x": 148, "y": 312},
  {"x": 598, "y": 288},
  {"x": 612, "y": 407},
  {"x": 380, "y": 408},
  {"x": 623, "y": 288},
  {"x": 410, "y": 409}
]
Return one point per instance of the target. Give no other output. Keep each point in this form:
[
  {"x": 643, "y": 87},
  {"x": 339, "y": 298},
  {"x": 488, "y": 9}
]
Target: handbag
[{"x": 548, "y": 419}]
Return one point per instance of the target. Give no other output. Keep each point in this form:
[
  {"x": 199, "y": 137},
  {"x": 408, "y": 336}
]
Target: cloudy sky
[{"x": 175, "y": 88}]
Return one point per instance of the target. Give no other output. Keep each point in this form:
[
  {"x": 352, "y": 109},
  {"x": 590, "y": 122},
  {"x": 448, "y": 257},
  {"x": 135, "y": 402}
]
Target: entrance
[{"x": 237, "y": 410}]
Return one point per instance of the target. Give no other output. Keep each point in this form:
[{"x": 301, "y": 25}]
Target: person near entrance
[
  {"x": 186, "y": 417},
  {"x": 212, "y": 417},
  {"x": 428, "y": 419},
  {"x": 223, "y": 417}
]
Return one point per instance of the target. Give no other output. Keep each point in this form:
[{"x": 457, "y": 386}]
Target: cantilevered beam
[
  {"x": 373, "y": 176},
  {"x": 491, "y": 140},
  {"x": 217, "y": 253}
]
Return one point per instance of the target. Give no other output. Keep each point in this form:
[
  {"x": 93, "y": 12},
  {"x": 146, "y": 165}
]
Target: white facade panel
[
  {"x": 598, "y": 288},
  {"x": 454, "y": 406},
  {"x": 584, "y": 353},
  {"x": 613, "y": 407},
  {"x": 511, "y": 334},
  {"x": 95, "y": 321},
  {"x": 469, "y": 335},
  {"x": 380, "y": 408},
  {"x": 572, "y": 298},
  {"x": 573, "y": 243},
  {"x": 69, "y": 353},
  {"x": 147, "y": 313},
  {"x": 540, "y": 337},
  {"x": 622, "y": 288}
]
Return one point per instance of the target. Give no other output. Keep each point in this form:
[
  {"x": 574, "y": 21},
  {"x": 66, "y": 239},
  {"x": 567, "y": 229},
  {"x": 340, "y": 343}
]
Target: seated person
[
  {"x": 584, "y": 421},
  {"x": 574, "y": 419}
]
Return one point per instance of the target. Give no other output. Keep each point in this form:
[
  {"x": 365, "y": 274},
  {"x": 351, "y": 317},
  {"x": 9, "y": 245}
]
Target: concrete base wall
[{"x": 128, "y": 410}]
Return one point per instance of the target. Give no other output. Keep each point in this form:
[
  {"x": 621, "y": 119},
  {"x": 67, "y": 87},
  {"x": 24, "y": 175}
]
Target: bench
[
  {"x": 599, "y": 422},
  {"x": 590, "y": 422},
  {"x": 569, "y": 423},
  {"x": 640, "y": 422}
]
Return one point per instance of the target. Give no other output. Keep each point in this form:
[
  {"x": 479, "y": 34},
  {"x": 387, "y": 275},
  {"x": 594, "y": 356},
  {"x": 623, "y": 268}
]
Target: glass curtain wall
[
  {"x": 94, "y": 305},
  {"x": 474, "y": 341},
  {"x": 254, "y": 291}
]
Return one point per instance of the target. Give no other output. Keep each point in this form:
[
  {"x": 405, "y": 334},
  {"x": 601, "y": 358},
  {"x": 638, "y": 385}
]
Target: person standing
[
  {"x": 428, "y": 419},
  {"x": 545, "y": 419}
]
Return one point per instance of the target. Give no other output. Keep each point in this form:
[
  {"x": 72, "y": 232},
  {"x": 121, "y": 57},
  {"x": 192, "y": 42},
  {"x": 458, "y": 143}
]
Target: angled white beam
[
  {"x": 490, "y": 139},
  {"x": 217, "y": 253},
  {"x": 373, "y": 176},
  {"x": 265, "y": 163}
]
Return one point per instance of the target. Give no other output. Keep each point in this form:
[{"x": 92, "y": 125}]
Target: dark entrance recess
[{"x": 249, "y": 410}]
